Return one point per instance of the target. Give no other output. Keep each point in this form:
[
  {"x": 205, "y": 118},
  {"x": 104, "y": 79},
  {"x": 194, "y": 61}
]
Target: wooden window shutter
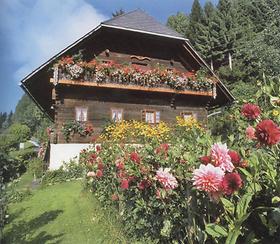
[
  {"x": 143, "y": 115},
  {"x": 157, "y": 116}
]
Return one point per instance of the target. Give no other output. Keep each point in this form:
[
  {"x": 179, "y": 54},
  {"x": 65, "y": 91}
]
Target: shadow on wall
[{"x": 23, "y": 231}]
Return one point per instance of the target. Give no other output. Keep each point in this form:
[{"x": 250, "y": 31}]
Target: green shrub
[
  {"x": 36, "y": 167},
  {"x": 69, "y": 171}
]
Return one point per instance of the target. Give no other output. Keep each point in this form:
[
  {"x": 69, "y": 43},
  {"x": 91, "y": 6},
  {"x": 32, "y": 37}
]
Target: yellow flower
[{"x": 275, "y": 112}]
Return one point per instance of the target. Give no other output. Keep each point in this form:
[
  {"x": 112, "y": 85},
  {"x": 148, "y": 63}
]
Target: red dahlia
[
  {"x": 235, "y": 158},
  {"x": 231, "y": 183},
  {"x": 250, "y": 111},
  {"x": 267, "y": 132},
  {"x": 205, "y": 160},
  {"x": 144, "y": 184}
]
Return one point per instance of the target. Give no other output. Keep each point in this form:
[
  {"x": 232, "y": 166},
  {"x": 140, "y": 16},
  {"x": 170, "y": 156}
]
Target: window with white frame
[
  {"x": 116, "y": 114},
  {"x": 187, "y": 115},
  {"x": 81, "y": 113},
  {"x": 151, "y": 116}
]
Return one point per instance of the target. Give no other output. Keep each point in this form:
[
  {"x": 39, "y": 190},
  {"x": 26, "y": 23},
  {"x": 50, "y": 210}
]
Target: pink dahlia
[
  {"x": 250, "y": 133},
  {"x": 208, "y": 178},
  {"x": 250, "y": 111},
  {"x": 220, "y": 157},
  {"x": 166, "y": 179},
  {"x": 231, "y": 183}
]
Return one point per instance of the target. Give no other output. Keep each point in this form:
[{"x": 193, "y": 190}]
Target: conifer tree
[{"x": 179, "y": 22}]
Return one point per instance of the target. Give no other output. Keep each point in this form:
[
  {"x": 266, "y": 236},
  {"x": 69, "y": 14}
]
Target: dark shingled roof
[{"x": 138, "y": 20}]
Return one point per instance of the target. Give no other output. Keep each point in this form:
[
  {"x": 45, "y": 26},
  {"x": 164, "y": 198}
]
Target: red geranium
[
  {"x": 119, "y": 164},
  {"x": 250, "y": 111},
  {"x": 235, "y": 158},
  {"x": 125, "y": 184},
  {"x": 231, "y": 183},
  {"x": 100, "y": 166},
  {"x": 135, "y": 157},
  {"x": 99, "y": 173},
  {"x": 267, "y": 132}
]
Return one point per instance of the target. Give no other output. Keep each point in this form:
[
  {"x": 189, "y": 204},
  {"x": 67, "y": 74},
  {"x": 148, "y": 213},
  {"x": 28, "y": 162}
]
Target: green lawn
[{"x": 61, "y": 213}]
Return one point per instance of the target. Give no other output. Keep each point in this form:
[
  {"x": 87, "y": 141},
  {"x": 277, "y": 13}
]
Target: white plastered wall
[{"x": 63, "y": 153}]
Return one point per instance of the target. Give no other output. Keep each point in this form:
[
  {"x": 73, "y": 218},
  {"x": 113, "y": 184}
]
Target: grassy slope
[{"x": 61, "y": 214}]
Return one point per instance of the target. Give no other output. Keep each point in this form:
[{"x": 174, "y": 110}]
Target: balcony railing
[{"x": 113, "y": 75}]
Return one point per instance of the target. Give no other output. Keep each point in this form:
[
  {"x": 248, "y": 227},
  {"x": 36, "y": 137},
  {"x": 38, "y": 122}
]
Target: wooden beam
[{"x": 130, "y": 87}]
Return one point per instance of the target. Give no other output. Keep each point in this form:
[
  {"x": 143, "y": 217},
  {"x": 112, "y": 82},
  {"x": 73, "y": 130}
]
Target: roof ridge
[{"x": 121, "y": 15}]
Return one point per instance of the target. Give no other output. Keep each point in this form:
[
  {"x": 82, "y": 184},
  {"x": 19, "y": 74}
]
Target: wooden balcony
[{"x": 65, "y": 82}]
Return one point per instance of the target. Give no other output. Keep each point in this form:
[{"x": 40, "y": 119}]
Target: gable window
[
  {"x": 151, "y": 116},
  {"x": 81, "y": 114},
  {"x": 187, "y": 115},
  {"x": 117, "y": 114}
]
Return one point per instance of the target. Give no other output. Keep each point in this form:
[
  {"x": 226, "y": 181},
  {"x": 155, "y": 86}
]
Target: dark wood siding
[{"x": 100, "y": 103}]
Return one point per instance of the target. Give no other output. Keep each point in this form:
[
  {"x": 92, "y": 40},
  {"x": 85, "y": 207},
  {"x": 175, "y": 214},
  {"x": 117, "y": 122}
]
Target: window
[
  {"x": 117, "y": 115},
  {"x": 151, "y": 116},
  {"x": 187, "y": 115},
  {"x": 81, "y": 114}
]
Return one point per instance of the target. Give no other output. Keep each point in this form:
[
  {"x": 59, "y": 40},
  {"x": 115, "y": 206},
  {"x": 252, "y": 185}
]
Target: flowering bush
[
  {"x": 196, "y": 187},
  {"x": 75, "y": 127},
  {"x": 112, "y": 72}
]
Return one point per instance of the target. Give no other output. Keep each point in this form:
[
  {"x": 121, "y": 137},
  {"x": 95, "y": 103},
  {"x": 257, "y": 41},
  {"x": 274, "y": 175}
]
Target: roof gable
[{"x": 139, "y": 20}]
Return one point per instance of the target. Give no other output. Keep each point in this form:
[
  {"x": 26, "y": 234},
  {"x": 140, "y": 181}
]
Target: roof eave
[{"x": 144, "y": 32}]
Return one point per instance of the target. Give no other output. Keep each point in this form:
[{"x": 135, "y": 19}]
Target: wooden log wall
[{"x": 100, "y": 102}]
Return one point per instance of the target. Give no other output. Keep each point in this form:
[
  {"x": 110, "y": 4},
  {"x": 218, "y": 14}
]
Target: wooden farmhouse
[{"x": 128, "y": 68}]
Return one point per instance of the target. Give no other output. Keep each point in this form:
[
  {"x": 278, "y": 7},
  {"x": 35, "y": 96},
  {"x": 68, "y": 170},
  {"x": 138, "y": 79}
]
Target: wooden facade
[{"x": 61, "y": 98}]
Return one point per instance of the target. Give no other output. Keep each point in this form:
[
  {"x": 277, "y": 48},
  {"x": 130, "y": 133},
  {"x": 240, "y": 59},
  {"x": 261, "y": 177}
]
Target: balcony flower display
[{"x": 125, "y": 74}]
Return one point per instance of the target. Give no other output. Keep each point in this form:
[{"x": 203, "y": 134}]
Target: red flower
[
  {"x": 119, "y": 164},
  {"x": 163, "y": 148},
  {"x": 231, "y": 183},
  {"x": 122, "y": 174},
  {"x": 250, "y": 111},
  {"x": 99, "y": 173},
  {"x": 235, "y": 158},
  {"x": 267, "y": 132},
  {"x": 124, "y": 184},
  {"x": 115, "y": 197},
  {"x": 205, "y": 160},
  {"x": 98, "y": 148},
  {"x": 144, "y": 184},
  {"x": 135, "y": 157},
  {"x": 100, "y": 166}
]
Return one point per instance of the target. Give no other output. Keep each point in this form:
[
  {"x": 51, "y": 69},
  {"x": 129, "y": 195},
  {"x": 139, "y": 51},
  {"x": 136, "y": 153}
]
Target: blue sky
[{"x": 32, "y": 31}]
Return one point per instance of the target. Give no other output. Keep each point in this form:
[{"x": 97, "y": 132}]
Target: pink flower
[
  {"x": 250, "y": 133},
  {"x": 115, "y": 197},
  {"x": 220, "y": 157},
  {"x": 166, "y": 179},
  {"x": 208, "y": 178},
  {"x": 91, "y": 174}
]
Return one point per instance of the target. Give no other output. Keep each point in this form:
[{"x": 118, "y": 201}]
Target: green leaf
[
  {"x": 228, "y": 205},
  {"x": 243, "y": 204},
  {"x": 216, "y": 230},
  {"x": 275, "y": 199}
]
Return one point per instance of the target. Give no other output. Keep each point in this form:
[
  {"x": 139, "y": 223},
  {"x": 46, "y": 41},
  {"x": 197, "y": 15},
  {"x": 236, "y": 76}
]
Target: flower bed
[{"x": 111, "y": 72}]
